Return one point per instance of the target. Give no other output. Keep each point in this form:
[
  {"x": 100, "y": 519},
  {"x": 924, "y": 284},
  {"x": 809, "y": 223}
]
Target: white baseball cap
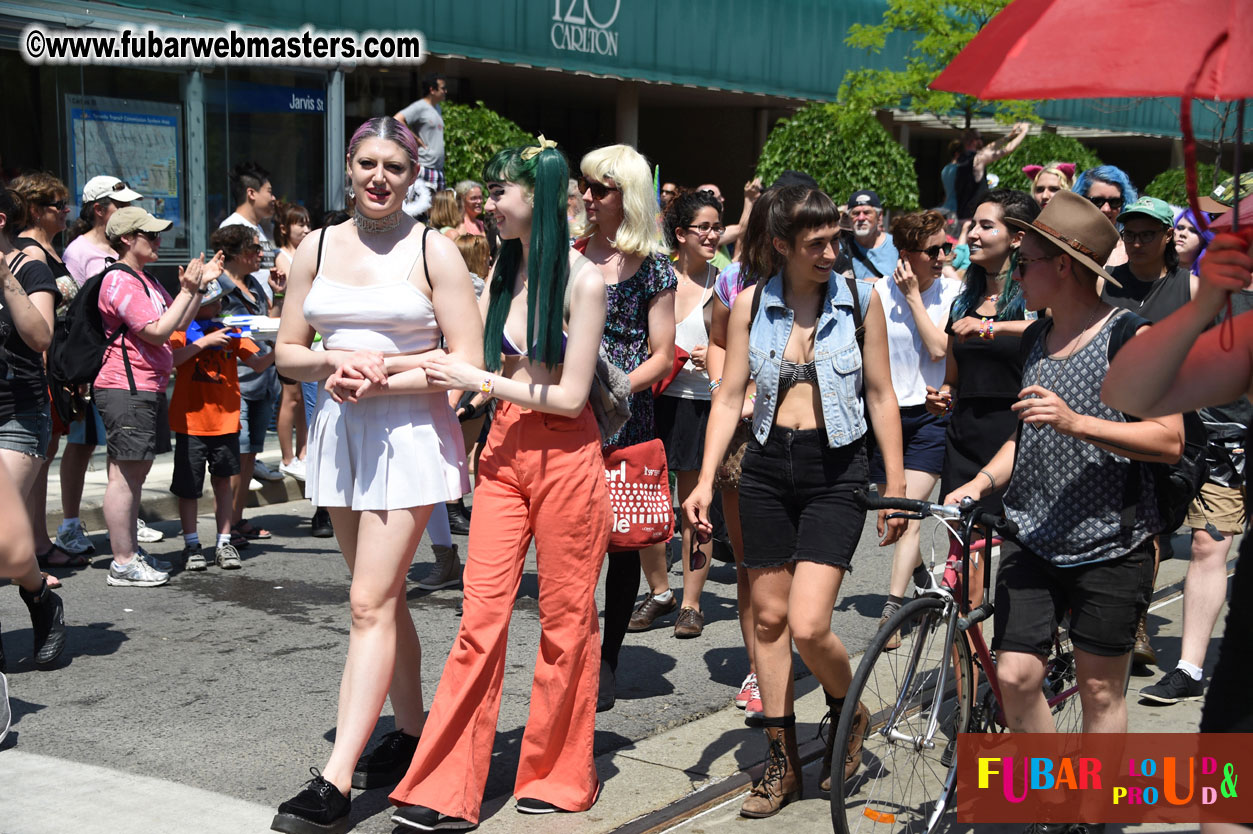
[{"x": 106, "y": 186}]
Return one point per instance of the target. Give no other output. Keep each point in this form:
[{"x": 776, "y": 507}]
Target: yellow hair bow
[{"x": 534, "y": 151}]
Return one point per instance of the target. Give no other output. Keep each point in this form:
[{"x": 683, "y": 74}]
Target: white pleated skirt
[{"x": 389, "y": 452}]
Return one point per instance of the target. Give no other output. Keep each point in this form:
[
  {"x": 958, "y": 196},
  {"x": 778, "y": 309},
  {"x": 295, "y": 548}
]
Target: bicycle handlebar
[{"x": 1002, "y": 525}]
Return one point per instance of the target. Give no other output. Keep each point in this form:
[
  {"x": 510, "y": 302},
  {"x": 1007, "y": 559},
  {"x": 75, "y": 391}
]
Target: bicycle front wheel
[{"x": 904, "y": 783}]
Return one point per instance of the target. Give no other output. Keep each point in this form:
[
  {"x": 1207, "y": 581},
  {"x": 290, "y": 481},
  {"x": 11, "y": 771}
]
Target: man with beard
[{"x": 869, "y": 247}]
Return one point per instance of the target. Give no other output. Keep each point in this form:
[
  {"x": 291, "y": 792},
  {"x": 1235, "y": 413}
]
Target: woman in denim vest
[{"x": 806, "y": 456}]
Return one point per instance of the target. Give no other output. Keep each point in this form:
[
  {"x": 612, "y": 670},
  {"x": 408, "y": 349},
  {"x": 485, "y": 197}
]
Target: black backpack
[
  {"x": 78, "y": 345},
  {"x": 1176, "y": 484}
]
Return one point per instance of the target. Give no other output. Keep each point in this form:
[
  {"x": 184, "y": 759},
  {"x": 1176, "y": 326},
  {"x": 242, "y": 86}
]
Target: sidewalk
[{"x": 157, "y": 503}]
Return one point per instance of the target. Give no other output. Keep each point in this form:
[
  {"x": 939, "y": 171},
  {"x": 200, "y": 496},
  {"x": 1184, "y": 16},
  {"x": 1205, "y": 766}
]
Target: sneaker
[
  {"x": 295, "y": 469},
  {"x": 383, "y": 766},
  {"x": 148, "y": 535},
  {"x": 227, "y": 557},
  {"x": 255, "y": 486},
  {"x": 74, "y": 540},
  {"x": 753, "y": 708},
  {"x": 526, "y": 805},
  {"x": 1175, "y": 686},
  {"x": 746, "y": 690},
  {"x": 264, "y": 473},
  {"x": 47, "y": 621},
  {"x": 649, "y": 610},
  {"x": 428, "y": 819},
  {"x": 6, "y": 714},
  {"x": 447, "y": 570},
  {"x": 136, "y": 574},
  {"x": 159, "y": 564},
  {"x": 321, "y": 524},
  {"x": 690, "y": 623},
  {"x": 319, "y": 807},
  {"x": 193, "y": 557}
]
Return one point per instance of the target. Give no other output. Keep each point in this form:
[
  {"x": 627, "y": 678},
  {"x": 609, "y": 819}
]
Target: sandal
[
  {"x": 68, "y": 560},
  {"x": 250, "y": 531}
]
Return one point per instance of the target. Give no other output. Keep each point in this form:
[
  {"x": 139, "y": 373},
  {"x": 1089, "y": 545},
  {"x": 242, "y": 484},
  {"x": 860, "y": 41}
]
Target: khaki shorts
[{"x": 1225, "y": 512}]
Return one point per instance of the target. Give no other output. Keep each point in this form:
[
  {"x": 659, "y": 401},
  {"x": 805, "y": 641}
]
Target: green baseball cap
[
  {"x": 1223, "y": 197},
  {"x": 1152, "y": 207}
]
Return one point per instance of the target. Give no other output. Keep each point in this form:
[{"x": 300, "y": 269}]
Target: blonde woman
[{"x": 622, "y": 239}]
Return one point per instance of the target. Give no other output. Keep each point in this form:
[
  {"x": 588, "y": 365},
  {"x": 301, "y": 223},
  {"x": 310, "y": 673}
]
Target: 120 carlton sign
[{"x": 576, "y": 29}]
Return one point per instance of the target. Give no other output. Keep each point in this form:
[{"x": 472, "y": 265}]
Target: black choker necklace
[{"x": 372, "y": 226}]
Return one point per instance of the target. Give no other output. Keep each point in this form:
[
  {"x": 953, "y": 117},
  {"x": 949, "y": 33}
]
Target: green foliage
[
  {"x": 472, "y": 135},
  {"x": 1170, "y": 185},
  {"x": 940, "y": 29},
  {"x": 843, "y": 151},
  {"x": 1041, "y": 149}
]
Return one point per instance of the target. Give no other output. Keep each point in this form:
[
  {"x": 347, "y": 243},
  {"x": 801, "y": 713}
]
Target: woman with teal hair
[{"x": 541, "y": 477}]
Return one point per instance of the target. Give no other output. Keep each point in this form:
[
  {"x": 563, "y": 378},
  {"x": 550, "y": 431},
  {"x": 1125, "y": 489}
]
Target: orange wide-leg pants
[{"x": 541, "y": 476}]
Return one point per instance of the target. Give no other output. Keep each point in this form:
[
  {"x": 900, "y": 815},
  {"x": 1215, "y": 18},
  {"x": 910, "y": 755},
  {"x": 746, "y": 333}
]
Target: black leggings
[{"x": 622, "y": 585}]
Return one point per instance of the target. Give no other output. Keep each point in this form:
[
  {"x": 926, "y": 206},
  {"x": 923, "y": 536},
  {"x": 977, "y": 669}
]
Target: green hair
[{"x": 546, "y": 174}]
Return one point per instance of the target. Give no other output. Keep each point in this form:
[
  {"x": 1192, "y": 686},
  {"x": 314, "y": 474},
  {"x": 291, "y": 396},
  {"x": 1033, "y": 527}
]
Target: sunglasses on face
[
  {"x": 599, "y": 189},
  {"x": 252, "y": 248},
  {"x": 696, "y": 558},
  {"x": 705, "y": 228},
  {"x": 59, "y": 205},
  {"x": 152, "y": 237},
  {"x": 1023, "y": 263},
  {"x": 1141, "y": 238},
  {"x": 1112, "y": 202},
  {"x": 933, "y": 252}
]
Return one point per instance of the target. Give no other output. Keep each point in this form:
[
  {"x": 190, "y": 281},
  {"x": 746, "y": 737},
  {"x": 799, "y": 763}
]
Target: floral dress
[{"x": 626, "y": 337}]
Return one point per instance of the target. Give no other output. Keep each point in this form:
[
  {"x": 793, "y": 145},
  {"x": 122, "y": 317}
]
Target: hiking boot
[
  {"x": 689, "y": 624},
  {"x": 193, "y": 557},
  {"x": 781, "y": 781},
  {"x": 227, "y": 557},
  {"x": 894, "y": 642},
  {"x": 428, "y": 819},
  {"x": 649, "y": 610},
  {"x": 447, "y": 570},
  {"x": 136, "y": 574},
  {"x": 383, "y": 766},
  {"x": 1175, "y": 686},
  {"x": 318, "y": 809},
  {"x": 852, "y": 755},
  {"x": 74, "y": 540},
  {"x": 1143, "y": 653},
  {"x": 47, "y": 622}
]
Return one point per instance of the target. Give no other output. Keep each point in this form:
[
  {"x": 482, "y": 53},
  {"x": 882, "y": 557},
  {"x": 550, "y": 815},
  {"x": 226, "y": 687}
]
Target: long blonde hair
[{"x": 639, "y": 234}]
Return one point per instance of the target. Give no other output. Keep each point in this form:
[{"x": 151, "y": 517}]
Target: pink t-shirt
[
  {"x": 84, "y": 260},
  {"x": 125, "y": 299}
]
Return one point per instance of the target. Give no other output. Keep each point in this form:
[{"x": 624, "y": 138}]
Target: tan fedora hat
[{"x": 1079, "y": 228}]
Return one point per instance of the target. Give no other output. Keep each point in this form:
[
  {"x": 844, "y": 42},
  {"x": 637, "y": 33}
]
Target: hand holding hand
[
  {"x": 444, "y": 371},
  {"x": 361, "y": 364}
]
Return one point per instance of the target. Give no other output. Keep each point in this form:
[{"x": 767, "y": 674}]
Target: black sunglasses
[
  {"x": 696, "y": 558},
  {"x": 598, "y": 189},
  {"x": 1113, "y": 202},
  {"x": 152, "y": 236},
  {"x": 59, "y": 205},
  {"x": 934, "y": 251}
]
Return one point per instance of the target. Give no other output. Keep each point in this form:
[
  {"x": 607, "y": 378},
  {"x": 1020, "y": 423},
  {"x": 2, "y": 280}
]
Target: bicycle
[{"x": 939, "y": 682}]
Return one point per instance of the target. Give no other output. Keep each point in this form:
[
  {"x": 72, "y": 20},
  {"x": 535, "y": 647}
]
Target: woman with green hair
[{"x": 541, "y": 477}]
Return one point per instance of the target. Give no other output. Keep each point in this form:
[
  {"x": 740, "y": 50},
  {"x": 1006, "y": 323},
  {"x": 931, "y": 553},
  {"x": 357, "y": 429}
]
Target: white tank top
[
  {"x": 395, "y": 317},
  {"x": 689, "y": 383}
]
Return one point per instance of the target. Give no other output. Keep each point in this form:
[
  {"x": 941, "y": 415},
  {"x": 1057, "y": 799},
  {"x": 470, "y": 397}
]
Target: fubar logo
[{"x": 578, "y": 30}]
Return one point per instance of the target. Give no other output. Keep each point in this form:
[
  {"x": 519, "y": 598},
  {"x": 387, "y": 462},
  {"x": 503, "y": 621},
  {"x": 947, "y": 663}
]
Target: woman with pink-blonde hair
[{"x": 1047, "y": 180}]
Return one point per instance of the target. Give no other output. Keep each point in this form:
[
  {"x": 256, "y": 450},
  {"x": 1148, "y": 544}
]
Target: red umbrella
[{"x": 1049, "y": 49}]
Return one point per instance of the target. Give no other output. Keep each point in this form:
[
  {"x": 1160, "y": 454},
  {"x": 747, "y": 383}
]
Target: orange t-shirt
[{"x": 206, "y": 390}]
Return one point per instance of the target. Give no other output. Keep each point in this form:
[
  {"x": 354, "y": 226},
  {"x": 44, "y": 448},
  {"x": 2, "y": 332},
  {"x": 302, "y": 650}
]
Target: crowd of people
[{"x": 529, "y": 324}]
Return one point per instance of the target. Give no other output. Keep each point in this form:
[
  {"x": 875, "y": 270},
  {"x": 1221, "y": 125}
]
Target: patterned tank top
[{"x": 1067, "y": 495}]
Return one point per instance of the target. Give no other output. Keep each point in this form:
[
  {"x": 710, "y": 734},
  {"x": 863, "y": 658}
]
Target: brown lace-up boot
[
  {"x": 852, "y": 756},
  {"x": 781, "y": 781}
]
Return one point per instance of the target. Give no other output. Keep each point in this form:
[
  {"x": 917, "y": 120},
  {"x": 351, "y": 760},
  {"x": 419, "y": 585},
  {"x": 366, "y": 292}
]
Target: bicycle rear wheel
[
  {"x": 903, "y": 782},
  {"x": 1061, "y": 685}
]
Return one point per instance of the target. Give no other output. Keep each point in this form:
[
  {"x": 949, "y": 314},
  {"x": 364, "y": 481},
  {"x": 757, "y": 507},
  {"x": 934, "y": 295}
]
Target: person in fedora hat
[{"x": 1068, "y": 471}]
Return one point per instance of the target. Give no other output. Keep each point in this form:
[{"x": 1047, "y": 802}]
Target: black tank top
[
  {"x": 1153, "y": 300},
  {"x": 58, "y": 267}
]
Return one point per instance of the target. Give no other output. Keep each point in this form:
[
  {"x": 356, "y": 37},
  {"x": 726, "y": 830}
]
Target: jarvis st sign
[{"x": 576, "y": 28}]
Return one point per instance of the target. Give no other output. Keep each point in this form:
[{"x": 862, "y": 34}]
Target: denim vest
[{"x": 836, "y": 358}]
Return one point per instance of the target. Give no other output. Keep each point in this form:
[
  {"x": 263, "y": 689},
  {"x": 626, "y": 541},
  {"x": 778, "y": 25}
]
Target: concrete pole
[
  {"x": 628, "y": 114},
  {"x": 336, "y": 142},
  {"x": 194, "y": 171}
]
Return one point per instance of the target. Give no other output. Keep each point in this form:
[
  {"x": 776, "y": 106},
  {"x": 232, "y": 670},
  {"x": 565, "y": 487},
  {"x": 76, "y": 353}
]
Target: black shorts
[
  {"x": 681, "y": 427},
  {"x": 796, "y": 499},
  {"x": 137, "y": 426},
  {"x": 922, "y": 441},
  {"x": 1105, "y": 601},
  {"x": 192, "y": 452}
]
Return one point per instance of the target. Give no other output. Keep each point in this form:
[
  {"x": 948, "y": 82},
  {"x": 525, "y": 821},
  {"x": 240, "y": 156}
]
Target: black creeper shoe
[
  {"x": 383, "y": 766},
  {"x": 318, "y": 809}
]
